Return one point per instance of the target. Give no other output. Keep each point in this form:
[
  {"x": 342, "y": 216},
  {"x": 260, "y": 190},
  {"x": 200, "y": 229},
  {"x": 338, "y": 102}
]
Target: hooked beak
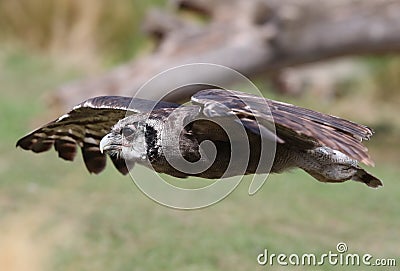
[{"x": 108, "y": 142}]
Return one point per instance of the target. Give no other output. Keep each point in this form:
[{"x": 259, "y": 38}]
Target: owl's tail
[
  {"x": 362, "y": 176},
  {"x": 355, "y": 173}
]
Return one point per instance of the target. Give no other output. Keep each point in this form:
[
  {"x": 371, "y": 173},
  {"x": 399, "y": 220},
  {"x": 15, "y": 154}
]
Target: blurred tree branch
[{"x": 253, "y": 37}]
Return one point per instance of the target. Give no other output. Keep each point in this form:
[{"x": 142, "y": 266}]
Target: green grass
[{"x": 56, "y": 216}]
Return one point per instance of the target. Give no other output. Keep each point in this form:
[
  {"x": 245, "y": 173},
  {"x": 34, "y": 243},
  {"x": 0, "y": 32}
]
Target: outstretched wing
[
  {"x": 84, "y": 126},
  {"x": 299, "y": 127}
]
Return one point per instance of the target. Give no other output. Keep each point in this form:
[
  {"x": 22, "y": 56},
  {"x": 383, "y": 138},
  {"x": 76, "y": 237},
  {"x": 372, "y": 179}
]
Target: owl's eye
[{"x": 127, "y": 131}]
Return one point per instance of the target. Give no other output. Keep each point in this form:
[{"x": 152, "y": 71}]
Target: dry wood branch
[{"x": 252, "y": 37}]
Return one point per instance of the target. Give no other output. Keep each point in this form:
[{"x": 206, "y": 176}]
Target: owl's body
[{"x": 250, "y": 135}]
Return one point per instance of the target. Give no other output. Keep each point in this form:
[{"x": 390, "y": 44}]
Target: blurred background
[{"x": 339, "y": 58}]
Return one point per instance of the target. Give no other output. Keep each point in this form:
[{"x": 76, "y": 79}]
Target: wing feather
[
  {"x": 294, "y": 125},
  {"x": 84, "y": 126}
]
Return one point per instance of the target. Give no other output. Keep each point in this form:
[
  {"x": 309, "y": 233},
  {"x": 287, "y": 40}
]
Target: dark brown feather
[
  {"x": 94, "y": 160},
  {"x": 84, "y": 126},
  {"x": 66, "y": 149},
  {"x": 298, "y": 126},
  {"x": 121, "y": 165}
]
